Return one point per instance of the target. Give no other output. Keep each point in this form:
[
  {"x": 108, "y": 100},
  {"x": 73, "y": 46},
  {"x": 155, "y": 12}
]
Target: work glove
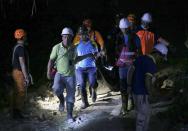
[
  {"x": 31, "y": 79},
  {"x": 103, "y": 52},
  {"x": 26, "y": 82},
  {"x": 99, "y": 54}
]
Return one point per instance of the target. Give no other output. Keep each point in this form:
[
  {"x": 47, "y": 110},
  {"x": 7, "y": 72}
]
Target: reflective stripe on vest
[{"x": 147, "y": 41}]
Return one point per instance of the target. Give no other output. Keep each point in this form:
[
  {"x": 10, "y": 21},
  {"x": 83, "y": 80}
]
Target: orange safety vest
[
  {"x": 94, "y": 36},
  {"x": 147, "y": 39}
]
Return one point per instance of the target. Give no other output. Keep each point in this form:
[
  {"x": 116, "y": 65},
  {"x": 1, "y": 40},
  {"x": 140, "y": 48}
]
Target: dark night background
[{"x": 44, "y": 27}]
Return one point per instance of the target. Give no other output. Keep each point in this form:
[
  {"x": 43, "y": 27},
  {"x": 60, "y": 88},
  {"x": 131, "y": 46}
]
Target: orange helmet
[
  {"x": 131, "y": 18},
  {"x": 87, "y": 23},
  {"x": 19, "y": 33}
]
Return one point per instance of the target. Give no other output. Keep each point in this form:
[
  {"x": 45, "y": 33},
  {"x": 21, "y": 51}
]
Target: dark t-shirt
[
  {"x": 19, "y": 51},
  {"x": 143, "y": 65}
]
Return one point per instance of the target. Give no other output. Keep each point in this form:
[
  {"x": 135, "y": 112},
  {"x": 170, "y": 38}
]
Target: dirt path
[
  {"x": 42, "y": 115},
  {"x": 104, "y": 114}
]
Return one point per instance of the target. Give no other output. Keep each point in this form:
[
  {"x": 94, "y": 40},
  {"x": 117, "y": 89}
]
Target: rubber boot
[
  {"x": 90, "y": 91},
  {"x": 77, "y": 90},
  {"x": 70, "y": 107},
  {"x": 130, "y": 105},
  {"x": 61, "y": 103},
  {"x": 94, "y": 95},
  {"x": 17, "y": 114},
  {"x": 85, "y": 103},
  {"x": 124, "y": 98}
]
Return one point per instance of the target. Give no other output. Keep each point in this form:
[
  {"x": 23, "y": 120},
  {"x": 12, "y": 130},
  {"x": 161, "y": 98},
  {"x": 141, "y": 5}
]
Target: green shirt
[{"x": 64, "y": 59}]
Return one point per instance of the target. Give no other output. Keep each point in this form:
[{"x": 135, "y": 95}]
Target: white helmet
[
  {"x": 147, "y": 17},
  {"x": 161, "y": 48},
  {"x": 67, "y": 31},
  {"x": 124, "y": 23}
]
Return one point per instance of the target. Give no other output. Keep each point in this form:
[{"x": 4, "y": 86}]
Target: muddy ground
[{"x": 41, "y": 111}]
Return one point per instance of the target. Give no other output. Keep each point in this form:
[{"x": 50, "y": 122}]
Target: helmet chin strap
[
  {"x": 144, "y": 27},
  {"x": 20, "y": 41},
  {"x": 64, "y": 45}
]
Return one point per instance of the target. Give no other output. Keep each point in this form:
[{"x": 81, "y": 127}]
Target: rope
[{"x": 34, "y": 8}]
